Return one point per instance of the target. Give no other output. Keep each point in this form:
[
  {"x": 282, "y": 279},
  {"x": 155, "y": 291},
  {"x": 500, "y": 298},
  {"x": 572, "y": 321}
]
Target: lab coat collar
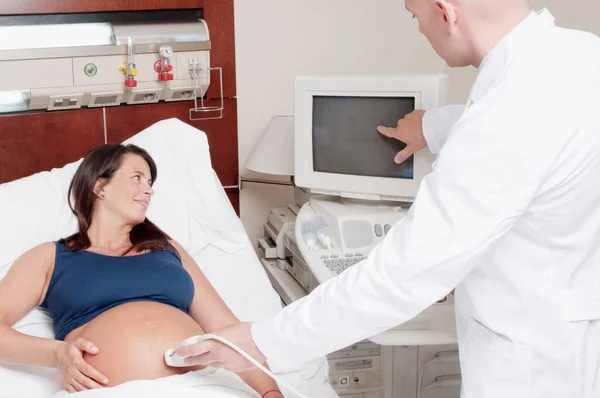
[{"x": 507, "y": 50}]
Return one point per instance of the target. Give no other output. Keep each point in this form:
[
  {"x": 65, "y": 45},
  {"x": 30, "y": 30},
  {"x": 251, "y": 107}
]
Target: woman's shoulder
[
  {"x": 174, "y": 247},
  {"x": 42, "y": 255},
  {"x": 178, "y": 249},
  {"x": 46, "y": 248},
  {"x": 173, "y": 243}
]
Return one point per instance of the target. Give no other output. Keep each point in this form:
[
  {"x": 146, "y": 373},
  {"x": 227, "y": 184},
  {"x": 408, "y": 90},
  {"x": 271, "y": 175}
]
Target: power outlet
[
  {"x": 358, "y": 380},
  {"x": 344, "y": 381}
]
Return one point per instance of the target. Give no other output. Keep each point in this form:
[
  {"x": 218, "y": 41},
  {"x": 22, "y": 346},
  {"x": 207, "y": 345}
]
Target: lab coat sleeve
[
  {"x": 483, "y": 182},
  {"x": 438, "y": 122}
]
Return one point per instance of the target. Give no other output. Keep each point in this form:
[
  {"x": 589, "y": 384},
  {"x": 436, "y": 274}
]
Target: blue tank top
[{"x": 85, "y": 284}]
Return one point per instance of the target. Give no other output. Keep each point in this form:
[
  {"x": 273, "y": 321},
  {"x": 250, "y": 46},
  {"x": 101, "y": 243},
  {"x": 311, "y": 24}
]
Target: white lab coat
[{"x": 510, "y": 216}]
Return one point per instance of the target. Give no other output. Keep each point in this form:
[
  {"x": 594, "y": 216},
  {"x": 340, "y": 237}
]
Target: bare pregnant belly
[{"x": 133, "y": 338}]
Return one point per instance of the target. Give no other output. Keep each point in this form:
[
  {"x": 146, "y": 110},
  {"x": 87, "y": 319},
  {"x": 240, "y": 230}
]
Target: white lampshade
[{"x": 274, "y": 152}]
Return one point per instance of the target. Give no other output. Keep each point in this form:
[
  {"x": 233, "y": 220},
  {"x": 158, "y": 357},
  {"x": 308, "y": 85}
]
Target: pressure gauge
[{"x": 165, "y": 51}]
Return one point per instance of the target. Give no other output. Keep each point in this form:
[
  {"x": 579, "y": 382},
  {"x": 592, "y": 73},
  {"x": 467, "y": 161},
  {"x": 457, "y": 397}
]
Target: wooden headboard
[{"x": 38, "y": 141}]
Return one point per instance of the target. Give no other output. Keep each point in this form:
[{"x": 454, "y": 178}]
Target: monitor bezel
[{"x": 428, "y": 91}]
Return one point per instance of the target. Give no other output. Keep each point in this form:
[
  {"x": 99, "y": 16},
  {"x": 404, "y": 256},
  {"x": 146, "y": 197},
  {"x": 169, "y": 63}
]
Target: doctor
[{"x": 510, "y": 217}]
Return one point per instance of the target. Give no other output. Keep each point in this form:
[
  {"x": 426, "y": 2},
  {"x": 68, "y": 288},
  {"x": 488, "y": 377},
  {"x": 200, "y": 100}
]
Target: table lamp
[{"x": 274, "y": 152}]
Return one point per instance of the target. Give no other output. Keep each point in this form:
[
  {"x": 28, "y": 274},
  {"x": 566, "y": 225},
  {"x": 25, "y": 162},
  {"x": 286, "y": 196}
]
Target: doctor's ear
[{"x": 447, "y": 11}]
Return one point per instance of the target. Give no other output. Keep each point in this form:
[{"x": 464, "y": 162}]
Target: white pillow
[
  {"x": 34, "y": 210},
  {"x": 31, "y": 381},
  {"x": 189, "y": 204}
]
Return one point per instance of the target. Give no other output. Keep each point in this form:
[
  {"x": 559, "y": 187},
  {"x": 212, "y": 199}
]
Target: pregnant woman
[{"x": 120, "y": 292}]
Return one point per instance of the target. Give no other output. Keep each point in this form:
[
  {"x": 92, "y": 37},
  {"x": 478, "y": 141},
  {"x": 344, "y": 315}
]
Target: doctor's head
[
  {"x": 463, "y": 32},
  {"x": 113, "y": 186}
]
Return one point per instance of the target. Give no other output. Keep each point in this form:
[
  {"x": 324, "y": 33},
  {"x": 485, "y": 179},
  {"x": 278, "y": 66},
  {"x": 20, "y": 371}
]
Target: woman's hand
[{"x": 78, "y": 375}]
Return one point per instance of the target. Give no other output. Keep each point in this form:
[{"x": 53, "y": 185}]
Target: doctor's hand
[
  {"x": 78, "y": 375},
  {"x": 219, "y": 355},
  {"x": 410, "y": 131}
]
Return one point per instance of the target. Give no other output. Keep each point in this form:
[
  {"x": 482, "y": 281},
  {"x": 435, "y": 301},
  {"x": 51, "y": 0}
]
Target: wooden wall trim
[
  {"x": 219, "y": 17},
  {"x": 31, "y": 143},
  {"x": 19, "y": 7}
]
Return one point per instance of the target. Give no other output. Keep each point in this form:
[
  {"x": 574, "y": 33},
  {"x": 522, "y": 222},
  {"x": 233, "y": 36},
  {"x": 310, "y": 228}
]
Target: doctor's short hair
[{"x": 102, "y": 162}]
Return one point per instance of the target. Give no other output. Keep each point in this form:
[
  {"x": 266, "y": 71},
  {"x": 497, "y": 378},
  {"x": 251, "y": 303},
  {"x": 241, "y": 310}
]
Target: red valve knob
[
  {"x": 165, "y": 76},
  {"x": 168, "y": 67},
  {"x": 131, "y": 83}
]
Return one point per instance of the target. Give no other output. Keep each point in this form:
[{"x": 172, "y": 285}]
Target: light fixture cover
[
  {"x": 274, "y": 152},
  {"x": 20, "y": 37},
  {"x": 14, "y": 101}
]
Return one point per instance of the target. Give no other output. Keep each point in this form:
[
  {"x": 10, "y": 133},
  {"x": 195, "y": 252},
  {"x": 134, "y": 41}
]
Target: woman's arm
[
  {"x": 211, "y": 313},
  {"x": 20, "y": 291}
]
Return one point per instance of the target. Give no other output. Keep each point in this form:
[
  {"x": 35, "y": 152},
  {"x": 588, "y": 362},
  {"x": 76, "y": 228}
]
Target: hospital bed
[{"x": 191, "y": 206}]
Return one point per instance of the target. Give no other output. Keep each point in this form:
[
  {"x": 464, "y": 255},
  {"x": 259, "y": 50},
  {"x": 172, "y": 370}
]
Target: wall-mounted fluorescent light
[
  {"x": 14, "y": 101},
  {"x": 50, "y": 36}
]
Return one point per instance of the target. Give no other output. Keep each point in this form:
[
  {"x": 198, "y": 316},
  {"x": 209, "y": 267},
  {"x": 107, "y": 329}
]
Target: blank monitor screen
[{"x": 346, "y": 140}]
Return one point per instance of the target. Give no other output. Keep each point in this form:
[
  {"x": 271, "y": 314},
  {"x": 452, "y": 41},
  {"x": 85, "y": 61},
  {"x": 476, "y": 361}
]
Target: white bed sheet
[
  {"x": 216, "y": 383},
  {"x": 189, "y": 204}
]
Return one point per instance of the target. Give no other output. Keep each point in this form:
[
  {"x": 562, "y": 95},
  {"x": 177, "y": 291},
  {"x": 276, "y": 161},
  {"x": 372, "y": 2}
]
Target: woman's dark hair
[{"x": 101, "y": 163}]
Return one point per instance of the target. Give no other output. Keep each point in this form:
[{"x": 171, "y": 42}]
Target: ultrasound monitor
[{"x": 338, "y": 150}]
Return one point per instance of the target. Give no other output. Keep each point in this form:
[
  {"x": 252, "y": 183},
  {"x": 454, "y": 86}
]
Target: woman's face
[{"x": 127, "y": 195}]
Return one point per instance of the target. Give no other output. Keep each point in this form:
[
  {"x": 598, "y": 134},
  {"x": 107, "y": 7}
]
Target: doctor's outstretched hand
[
  {"x": 408, "y": 130},
  {"x": 219, "y": 355}
]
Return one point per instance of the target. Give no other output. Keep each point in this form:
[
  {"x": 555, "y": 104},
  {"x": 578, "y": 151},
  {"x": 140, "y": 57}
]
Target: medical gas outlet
[
  {"x": 128, "y": 68},
  {"x": 163, "y": 66},
  {"x": 131, "y": 72}
]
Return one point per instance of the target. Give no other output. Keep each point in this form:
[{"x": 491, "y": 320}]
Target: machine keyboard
[{"x": 339, "y": 263}]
